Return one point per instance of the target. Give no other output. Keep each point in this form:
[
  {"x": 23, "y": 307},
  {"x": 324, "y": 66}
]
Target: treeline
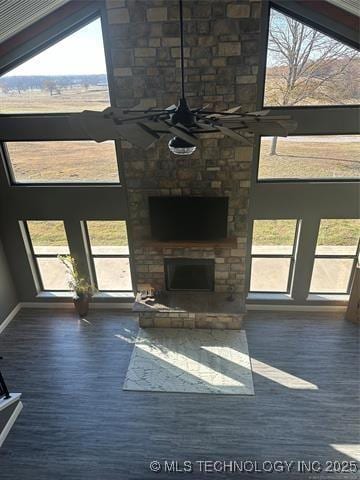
[{"x": 52, "y": 83}]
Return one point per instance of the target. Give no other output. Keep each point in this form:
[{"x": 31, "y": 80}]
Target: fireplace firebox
[
  {"x": 189, "y": 274},
  {"x": 188, "y": 218}
]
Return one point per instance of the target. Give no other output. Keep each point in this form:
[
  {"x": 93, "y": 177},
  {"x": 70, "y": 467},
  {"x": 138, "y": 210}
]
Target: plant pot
[{"x": 81, "y": 304}]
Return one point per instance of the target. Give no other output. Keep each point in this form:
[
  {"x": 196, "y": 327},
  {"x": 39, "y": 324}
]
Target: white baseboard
[
  {"x": 10, "y": 423},
  {"x": 70, "y": 305},
  {"x": 6, "y": 402},
  {"x": 8, "y": 319},
  {"x": 128, "y": 307},
  {"x": 296, "y": 308}
]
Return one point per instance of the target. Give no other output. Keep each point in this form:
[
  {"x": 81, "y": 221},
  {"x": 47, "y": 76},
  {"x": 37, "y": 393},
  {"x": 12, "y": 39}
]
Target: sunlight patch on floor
[
  {"x": 352, "y": 450},
  {"x": 280, "y": 376}
]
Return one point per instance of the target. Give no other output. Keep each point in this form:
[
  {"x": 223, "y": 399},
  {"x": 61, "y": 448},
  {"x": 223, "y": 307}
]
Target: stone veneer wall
[{"x": 222, "y": 54}]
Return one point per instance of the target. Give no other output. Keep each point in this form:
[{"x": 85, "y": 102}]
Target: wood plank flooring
[{"x": 78, "y": 423}]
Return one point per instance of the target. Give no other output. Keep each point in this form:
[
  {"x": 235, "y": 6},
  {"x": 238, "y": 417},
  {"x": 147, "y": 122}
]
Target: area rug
[{"x": 190, "y": 361}]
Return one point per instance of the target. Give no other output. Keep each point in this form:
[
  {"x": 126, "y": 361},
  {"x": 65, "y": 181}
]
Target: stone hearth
[
  {"x": 191, "y": 310},
  {"x": 221, "y": 71}
]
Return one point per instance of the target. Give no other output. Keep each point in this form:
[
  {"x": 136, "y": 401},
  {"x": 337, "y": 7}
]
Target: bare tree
[
  {"x": 50, "y": 85},
  {"x": 304, "y": 64},
  {"x": 5, "y": 89}
]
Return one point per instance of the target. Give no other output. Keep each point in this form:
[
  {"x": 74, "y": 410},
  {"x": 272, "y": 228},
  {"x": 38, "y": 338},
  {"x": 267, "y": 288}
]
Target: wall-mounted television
[{"x": 188, "y": 218}]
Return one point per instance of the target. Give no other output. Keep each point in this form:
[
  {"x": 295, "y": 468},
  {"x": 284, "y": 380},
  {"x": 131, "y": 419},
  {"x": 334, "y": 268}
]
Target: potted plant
[{"x": 83, "y": 290}]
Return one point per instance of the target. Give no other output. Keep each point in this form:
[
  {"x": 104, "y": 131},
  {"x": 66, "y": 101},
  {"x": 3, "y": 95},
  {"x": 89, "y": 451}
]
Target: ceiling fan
[{"x": 144, "y": 127}]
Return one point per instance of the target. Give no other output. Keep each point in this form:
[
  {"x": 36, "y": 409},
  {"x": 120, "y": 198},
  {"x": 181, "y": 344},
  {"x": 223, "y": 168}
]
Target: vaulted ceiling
[
  {"x": 16, "y": 15},
  {"x": 351, "y": 6}
]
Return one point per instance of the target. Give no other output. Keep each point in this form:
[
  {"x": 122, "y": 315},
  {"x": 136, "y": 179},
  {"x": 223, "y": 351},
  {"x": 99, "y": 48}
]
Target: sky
[{"x": 81, "y": 53}]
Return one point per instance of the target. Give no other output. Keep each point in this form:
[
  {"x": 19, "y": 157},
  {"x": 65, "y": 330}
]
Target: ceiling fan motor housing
[{"x": 183, "y": 114}]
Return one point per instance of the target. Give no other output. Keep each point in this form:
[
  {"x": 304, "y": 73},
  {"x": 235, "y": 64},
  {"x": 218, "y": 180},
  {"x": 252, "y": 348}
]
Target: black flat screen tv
[{"x": 188, "y": 218}]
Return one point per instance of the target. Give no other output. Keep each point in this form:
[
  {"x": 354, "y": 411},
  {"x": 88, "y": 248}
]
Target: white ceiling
[
  {"x": 351, "y": 6},
  {"x": 15, "y": 15}
]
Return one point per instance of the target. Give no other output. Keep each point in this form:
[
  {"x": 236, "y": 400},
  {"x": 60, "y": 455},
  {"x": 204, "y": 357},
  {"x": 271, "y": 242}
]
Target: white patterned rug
[{"x": 190, "y": 361}]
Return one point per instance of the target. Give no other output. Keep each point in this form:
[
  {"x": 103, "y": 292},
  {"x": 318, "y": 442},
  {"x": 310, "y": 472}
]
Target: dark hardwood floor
[{"x": 78, "y": 423}]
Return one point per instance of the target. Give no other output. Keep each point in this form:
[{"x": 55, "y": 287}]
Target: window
[
  {"x": 272, "y": 255},
  {"x": 47, "y": 240},
  {"x": 109, "y": 255},
  {"x": 306, "y": 67},
  {"x": 318, "y": 157},
  {"x": 69, "y": 76},
  {"x": 63, "y": 162},
  {"x": 336, "y": 255}
]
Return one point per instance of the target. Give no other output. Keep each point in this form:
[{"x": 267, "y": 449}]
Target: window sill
[
  {"x": 270, "y": 296},
  {"x": 98, "y": 297},
  {"x": 53, "y": 295},
  {"x": 319, "y": 297}
]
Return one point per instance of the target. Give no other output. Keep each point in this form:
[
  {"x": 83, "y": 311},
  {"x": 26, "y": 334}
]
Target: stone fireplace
[{"x": 187, "y": 215}]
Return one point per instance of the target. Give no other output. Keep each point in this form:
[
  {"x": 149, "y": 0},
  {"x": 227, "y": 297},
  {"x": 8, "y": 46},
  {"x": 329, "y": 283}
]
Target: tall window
[
  {"x": 109, "y": 255},
  {"x": 312, "y": 157},
  {"x": 336, "y": 256},
  {"x": 62, "y": 162},
  {"x": 69, "y": 76},
  {"x": 272, "y": 255},
  {"x": 47, "y": 240},
  {"x": 306, "y": 67}
]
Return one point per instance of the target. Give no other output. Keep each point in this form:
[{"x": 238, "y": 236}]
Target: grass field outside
[
  {"x": 101, "y": 233},
  {"x": 311, "y": 157},
  {"x": 75, "y": 99}
]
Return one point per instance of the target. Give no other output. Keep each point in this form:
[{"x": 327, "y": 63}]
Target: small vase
[{"x": 81, "y": 304}]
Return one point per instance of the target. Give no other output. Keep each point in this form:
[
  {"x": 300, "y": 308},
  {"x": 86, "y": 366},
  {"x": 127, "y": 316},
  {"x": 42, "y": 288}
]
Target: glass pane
[
  {"x": 108, "y": 237},
  {"x": 269, "y": 274},
  {"x": 70, "y": 76},
  {"x": 63, "y": 162},
  {"x": 113, "y": 273},
  {"x": 53, "y": 273},
  {"x": 306, "y": 67},
  {"x": 313, "y": 157},
  {"x": 273, "y": 236},
  {"x": 331, "y": 275},
  {"x": 48, "y": 236},
  {"x": 338, "y": 237}
]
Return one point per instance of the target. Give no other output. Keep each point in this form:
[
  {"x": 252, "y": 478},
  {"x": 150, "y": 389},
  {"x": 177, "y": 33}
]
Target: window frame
[
  {"x": 91, "y": 256},
  {"x": 56, "y": 122},
  {"x": 310, "y": 118},
  {"x": 284, "y": 11},
  {"x": 34, "y": 256},
  {"x": 354, "y": 257},
  {"x": 11, "y": 175},
  {"x": 291, "y": 256}
]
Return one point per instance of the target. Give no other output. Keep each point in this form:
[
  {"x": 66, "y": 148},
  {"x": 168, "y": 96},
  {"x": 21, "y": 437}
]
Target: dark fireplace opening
[
  {"x": 189, "y": 274},
  {"x": 188, "y": 218}
]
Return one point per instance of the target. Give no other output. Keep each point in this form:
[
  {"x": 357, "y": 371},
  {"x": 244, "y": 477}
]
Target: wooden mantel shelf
[{"x": 222, "y": 243}]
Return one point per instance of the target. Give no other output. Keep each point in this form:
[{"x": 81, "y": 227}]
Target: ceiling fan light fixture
[{"x": 178, "y": 146}]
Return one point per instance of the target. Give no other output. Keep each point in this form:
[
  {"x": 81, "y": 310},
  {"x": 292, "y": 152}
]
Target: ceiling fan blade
[
  {"x": 179, "y": 132},
  {"x": 138, "y": 134},
  {"x": 236, "y": 136},
  {"x": 276, "y": 128},
  {"x": 259, "y": 113},
  {"x": 233, "y": 109},
  {"x": 225, "y": 130},
  {"x": 230, "y": 111},
  {"x": 94, "y": 125}
]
